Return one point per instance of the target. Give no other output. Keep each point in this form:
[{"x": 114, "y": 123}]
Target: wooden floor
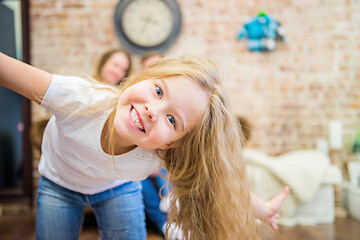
[{"x": 22, "y": 228}]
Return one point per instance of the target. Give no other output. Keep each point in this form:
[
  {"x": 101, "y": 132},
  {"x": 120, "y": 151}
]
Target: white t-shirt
[{"x": 72, "y": 155}]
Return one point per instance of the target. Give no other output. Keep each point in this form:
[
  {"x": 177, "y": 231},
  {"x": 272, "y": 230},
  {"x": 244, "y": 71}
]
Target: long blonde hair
[{"x": 211, "y": 193}]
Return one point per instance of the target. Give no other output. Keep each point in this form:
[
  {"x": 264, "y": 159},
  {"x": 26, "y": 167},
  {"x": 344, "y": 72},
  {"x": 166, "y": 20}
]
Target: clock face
[
  {"x": 147, "y": 22},
  {"x": 147, "y": 25}
]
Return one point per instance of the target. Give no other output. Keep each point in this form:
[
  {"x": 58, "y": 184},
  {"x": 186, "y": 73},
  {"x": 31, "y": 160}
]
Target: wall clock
[{"x": 147, "y": 25}]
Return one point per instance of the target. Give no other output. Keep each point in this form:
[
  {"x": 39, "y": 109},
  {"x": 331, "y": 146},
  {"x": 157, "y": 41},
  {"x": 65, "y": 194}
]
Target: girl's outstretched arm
[
  {"x": 24, "y": 79},
  {"x": 268, "y": 211}
]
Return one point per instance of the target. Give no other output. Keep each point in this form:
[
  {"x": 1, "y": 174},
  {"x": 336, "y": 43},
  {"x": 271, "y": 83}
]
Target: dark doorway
[{"x": 15, "y": 110}]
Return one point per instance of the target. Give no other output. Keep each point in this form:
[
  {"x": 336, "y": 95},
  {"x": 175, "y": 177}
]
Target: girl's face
[
  {"x": 114, "y": 70},
  {"x": 155, "y": 113}
]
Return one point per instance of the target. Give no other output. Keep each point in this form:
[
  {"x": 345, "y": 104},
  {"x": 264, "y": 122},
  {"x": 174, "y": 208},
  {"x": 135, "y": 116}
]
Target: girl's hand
[
  {"x": 268, "y": 211},
  {"x": 274, "y": 206}
]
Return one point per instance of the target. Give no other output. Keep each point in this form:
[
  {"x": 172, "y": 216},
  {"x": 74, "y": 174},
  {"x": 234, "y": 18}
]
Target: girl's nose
[{"x": 150, "y": 112}]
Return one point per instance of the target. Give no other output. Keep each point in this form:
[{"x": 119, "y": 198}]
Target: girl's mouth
[{"x": 136, "y": 119}]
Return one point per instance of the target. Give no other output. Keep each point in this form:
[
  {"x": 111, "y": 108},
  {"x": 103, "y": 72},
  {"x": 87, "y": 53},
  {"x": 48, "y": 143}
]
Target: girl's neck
[{"x": 108, "y": 135}]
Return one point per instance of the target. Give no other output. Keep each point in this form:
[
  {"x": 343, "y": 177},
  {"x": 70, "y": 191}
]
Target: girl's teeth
[{"x": 135, "y": 119}]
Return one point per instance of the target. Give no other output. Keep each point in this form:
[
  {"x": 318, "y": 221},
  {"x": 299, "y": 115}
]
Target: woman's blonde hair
[{"x": 210, "y": 190}]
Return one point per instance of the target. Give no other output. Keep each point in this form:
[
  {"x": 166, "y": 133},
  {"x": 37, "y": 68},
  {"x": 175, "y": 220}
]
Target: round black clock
[{"x": 147, "y": 25}]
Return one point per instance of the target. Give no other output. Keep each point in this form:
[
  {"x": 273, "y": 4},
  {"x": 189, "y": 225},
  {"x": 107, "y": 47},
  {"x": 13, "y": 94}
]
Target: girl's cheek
[{"x": 162, "y": 131}]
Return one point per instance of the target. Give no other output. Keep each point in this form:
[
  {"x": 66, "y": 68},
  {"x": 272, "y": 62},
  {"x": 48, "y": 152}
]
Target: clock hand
[
  {"x": 142, "y": 29},
  {"x": 145, "y": 21},
  {"x": 153, "y": 20}
]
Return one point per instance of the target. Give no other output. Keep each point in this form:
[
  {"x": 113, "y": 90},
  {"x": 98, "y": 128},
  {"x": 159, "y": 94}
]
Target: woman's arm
[
  {"x": 268, "y": 211},
  {"x": 24, "y": 79}
]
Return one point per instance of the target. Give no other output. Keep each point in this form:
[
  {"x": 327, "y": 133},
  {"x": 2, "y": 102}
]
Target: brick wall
[{"x": 289, "y": 95}]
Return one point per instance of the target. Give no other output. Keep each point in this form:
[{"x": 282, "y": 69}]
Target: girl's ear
[{"x": 176, "y": 144}]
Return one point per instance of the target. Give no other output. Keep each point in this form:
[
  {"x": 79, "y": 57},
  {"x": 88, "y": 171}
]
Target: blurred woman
[{"x": 113, "y": 67}]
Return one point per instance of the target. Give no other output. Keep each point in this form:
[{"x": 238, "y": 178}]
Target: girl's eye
[
  {"x": 158, "y": 92},
  {"x": 171, "y": 120}
]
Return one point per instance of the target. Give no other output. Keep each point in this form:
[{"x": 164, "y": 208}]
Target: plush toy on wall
[{"x": 262, "y": 32}]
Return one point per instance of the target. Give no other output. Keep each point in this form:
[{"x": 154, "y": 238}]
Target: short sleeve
[{"x": 64, "y": 95}]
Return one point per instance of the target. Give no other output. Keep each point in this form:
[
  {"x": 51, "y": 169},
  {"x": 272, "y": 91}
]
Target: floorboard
[{"x": 23, "y": 228}]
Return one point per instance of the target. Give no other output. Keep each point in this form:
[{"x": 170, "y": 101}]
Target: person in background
[
  {"x": 150, "y": 58},
  {"x": 113, "y": 66}
]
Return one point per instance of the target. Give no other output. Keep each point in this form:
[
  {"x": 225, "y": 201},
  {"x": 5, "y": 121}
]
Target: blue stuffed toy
[{"x": 262, "y": 32}]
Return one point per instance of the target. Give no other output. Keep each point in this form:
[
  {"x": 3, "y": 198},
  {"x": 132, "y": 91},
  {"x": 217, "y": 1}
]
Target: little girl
[{"x": 101, "y": 139}]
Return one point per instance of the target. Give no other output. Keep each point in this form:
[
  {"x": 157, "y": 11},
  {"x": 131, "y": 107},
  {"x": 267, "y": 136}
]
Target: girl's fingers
[
  {"x": 286, "y": 190},
  {"x": 274, "y": 226},
  {"x": 278, "y": 200},
  {"x": 272, "y": 221},
  {"x": 284, "y": 193}
]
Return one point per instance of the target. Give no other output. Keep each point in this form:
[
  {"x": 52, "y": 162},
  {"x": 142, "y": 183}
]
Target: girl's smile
[{"x": 135, "y": 119}]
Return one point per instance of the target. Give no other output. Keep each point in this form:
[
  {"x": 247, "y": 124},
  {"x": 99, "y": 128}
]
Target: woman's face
[
  {"x": 115, "y": 68},
  {"x": 155, "y": 113},
  {"x": 150, "y": 61}
]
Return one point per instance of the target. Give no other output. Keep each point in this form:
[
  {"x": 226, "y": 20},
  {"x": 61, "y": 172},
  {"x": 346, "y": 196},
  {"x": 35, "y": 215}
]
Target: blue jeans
[
  {"x": 150, "y": 191},
  {"x": 119, "y": 212}
]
